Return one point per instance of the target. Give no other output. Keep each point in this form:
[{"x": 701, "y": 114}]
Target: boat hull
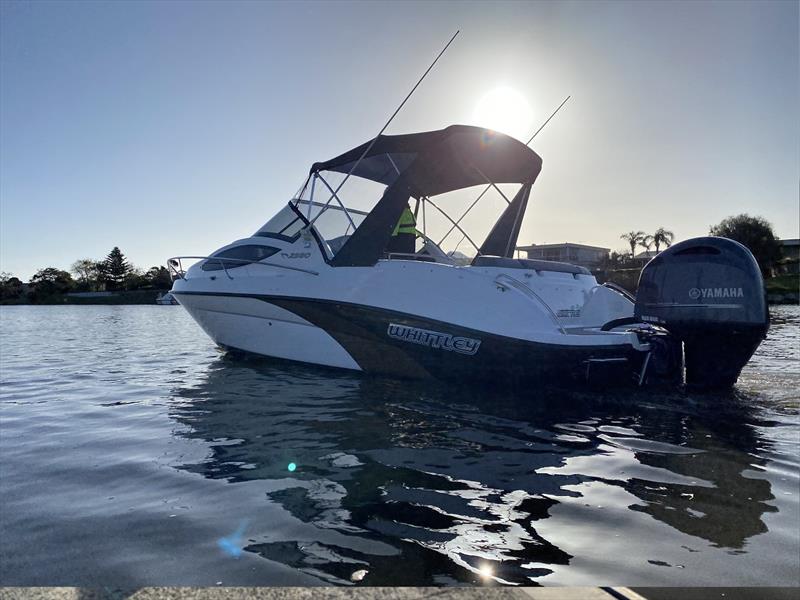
[
  {"x": 389, "y": 343},
  {"x": 252, "y": 325}
]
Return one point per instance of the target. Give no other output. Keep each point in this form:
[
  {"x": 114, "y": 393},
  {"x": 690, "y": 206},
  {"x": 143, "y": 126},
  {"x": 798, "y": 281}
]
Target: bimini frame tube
[{"x": 488, "y": 187}]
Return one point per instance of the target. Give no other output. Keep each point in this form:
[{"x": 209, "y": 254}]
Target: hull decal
[{"x": 433, "y": 339}]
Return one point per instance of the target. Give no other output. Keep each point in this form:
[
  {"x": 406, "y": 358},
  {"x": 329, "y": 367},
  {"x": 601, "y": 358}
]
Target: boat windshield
[
  {"x": 333, "y": 221},
  {"x": 334, "y": 212},
  {"x": 286, "y": 225},
  {"x": 446, "y": 225}
]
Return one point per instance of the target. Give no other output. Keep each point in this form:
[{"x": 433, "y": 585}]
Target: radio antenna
[
  {"x": 528, "y": 143},
  {"x": 394, "y": 114},
  {"x": 488, "y": 187}
]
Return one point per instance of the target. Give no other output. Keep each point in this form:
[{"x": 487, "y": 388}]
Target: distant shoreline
[
  {"x": 779, "y": 291},
  {"x": 112, "y": 298}
]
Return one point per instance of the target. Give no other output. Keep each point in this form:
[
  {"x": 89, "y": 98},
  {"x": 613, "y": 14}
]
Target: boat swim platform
[{"x": 399, "y": 593}]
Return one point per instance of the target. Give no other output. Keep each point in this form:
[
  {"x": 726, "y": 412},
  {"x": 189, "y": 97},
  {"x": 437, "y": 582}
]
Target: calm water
[{"x": 133, "y": 453}]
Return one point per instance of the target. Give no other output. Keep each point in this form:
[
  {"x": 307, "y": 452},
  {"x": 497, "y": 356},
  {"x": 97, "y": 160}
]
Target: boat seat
[{"x": 527, "y": 263}]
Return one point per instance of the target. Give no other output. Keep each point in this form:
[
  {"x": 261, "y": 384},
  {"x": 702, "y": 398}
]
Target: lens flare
[
  {"x": 292, "y": 467},
  {"x": 232, "y": 544}
]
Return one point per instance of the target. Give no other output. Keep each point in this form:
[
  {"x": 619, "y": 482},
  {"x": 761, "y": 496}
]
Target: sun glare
[
  {"x": 486, "y": 571},
  {"x": 504, "y": 109}
]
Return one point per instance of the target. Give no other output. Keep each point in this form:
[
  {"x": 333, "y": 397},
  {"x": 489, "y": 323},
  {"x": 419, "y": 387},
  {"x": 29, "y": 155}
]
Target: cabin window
[{"x": 249, "y": 252}]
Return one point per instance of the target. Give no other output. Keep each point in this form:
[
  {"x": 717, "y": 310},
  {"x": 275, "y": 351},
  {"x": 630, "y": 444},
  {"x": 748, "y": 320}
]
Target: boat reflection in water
[{"x": 435, "y": 486}]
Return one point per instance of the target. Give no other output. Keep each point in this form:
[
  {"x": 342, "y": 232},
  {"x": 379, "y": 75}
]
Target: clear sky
[{"x": 175, "y": 128}]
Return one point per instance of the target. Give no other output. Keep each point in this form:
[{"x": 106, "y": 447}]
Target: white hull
[
  {"x": 262, "y": 328},
  {"x": 343, "y": 317}
]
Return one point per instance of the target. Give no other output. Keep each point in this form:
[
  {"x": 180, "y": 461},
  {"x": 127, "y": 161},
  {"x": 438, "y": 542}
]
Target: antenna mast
[
  {"x": 488, "y": 187},
  {"x": 528, "y": 143},
  {"x": 394, "y": 114}
]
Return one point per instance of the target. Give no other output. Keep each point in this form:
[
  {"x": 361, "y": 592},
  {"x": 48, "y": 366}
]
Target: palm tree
[
  {"x": 647, "y": 242},
  {"x": 662, "y": 236},
  {"x": 634, "y": 238}
]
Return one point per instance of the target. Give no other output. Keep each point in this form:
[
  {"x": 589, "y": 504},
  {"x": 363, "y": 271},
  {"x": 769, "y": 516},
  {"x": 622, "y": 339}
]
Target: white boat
[
  {"x": 317, "y": 284},
  {"x": 166, "y": 299}
]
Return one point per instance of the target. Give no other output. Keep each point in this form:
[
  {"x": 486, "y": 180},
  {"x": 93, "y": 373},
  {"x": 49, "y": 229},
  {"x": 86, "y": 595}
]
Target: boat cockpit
[{"x": 457, "y": 168}]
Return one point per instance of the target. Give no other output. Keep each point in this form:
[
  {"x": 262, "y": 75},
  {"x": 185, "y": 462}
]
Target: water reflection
[
  {"x": 727, "y": 512},
  {"x": 415, "y": 489}
]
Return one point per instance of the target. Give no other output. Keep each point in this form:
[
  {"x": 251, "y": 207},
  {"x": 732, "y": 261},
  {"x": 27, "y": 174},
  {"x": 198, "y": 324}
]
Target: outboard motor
[{"x": 708, "y": 292}]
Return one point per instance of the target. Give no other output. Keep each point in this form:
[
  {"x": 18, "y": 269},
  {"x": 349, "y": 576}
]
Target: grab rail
[
  {"x": 506, "y": 281},
  {"x": 620, "y": 290},
  {"x": 175, "y": 265}
]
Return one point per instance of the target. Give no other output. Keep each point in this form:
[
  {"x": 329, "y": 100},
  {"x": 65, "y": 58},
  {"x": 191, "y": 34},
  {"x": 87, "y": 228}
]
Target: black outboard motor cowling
[{"x": 708, "y": 292}]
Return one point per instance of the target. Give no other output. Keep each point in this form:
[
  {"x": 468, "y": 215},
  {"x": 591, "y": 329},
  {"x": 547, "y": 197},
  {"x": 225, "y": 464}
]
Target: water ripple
[{"x": 134, "y": 453}]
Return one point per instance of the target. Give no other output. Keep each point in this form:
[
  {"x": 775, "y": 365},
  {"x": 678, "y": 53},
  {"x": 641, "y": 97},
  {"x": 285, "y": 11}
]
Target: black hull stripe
[{"x": 364, "y": 333}]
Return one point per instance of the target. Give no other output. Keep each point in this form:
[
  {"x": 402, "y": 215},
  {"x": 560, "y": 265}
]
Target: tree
[
  {"x": 88, "y": 273},
  {"x": 116, "y": 269},
  {"x": 158, "y": 278},
  {"x": 50, "y": 282},
  {"x": 135, "y": 279},
  {"x": 614, "y": 260},
  {"x": 662, "y": 237},
  {"x": 754, "y": 232},
  {"x": 10, "y": 287},
  {"x": 634, "y": 238},
  {"x": 102, "y": 269}
]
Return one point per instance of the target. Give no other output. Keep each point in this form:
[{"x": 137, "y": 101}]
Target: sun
[{"x": 504, "y": 109}]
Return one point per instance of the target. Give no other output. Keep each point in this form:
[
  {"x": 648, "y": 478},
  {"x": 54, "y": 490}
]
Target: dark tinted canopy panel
[
  {"x": 436, "y": 162},
  {"x": 382, "y": 168}
]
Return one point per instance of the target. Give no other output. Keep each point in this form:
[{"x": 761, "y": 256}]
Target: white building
[{"x": 591, "y": 257}]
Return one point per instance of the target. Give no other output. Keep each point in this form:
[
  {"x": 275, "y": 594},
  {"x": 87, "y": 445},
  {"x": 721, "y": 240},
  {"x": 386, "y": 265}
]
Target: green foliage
[
  {"x": 49, "y": 282},
  {"x": 88, "y": 273},
  {"x": 754, "y": 232},
  {"x": 634, "y": 238},
  {"x": 114, "y": 273},
  {"x": 115, "y": 270},
  {"x": 10, "y": 288},
  {"x": 662, "y": 237},
  {"x": 135, "y": 279},
  {"x": 158, "y": 278},
  {"x": 155, "y": 278}
]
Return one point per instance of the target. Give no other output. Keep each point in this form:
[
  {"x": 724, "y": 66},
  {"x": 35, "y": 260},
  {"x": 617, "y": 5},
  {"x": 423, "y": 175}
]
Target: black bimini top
[
  {"x": 436, "y": 162},
  {"x": 427, "y": 164}
]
